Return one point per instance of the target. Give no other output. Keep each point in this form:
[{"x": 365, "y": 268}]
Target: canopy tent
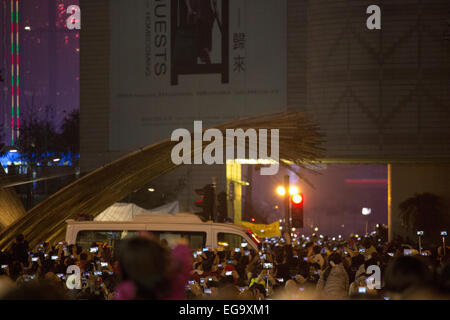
[{"x": 126, "y": 211}]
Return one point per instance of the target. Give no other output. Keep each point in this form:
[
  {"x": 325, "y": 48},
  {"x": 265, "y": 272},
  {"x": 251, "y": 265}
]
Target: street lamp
[
  {"x": 420, "y": 234},
  {"x": 366, "y": 212},
  {"x": 443, "y": 234}
]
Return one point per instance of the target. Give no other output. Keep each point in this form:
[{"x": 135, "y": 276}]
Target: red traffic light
[
  {"x": 252, "y": 219},
  {"x": 297, "y": 199}
]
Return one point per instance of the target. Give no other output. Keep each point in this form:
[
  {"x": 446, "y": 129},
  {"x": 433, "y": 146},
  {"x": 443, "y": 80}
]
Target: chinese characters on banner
[{"x": 239, "y": 51}]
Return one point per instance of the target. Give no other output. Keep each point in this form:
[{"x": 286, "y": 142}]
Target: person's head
[
  {"x": 20, "y": 238},
  {"x": 259, "y": 292},
  {"x": 146, "y": 263},
  {"x": 404, "y": 273},
  {"x": 316, "y": 249},
  {"x": 334, "y": 259}
]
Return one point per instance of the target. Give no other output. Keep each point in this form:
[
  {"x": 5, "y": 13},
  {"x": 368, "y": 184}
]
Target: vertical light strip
[
  {"x": 389, "y": 204},
  {"x": 12, "y": 72},
  {"x": 17, "y": 45}
]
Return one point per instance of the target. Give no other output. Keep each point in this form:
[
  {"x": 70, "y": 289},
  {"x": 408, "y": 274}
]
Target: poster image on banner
[
  {"x": 192, "y": 25},
  {"x": 174, "y": 62}
]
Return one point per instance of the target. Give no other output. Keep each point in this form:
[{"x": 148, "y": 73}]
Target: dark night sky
[
  {"x": 339, "y": 194},
  {"x": 40, "y": 62}
]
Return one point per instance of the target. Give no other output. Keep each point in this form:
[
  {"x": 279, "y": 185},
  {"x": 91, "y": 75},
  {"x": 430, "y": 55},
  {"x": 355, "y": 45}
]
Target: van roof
[{"x": 179, "y": 218}]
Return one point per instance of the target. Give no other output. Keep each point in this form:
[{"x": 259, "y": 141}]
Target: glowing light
[
  {"x": 28, "y": 28},
  {"x": 297, "y": 199},
  {"x": 224, "y": 244},
  {"x": 366, "y": 211},
  {"x": 293, "y": 190},
  {"x": 281, "y": 191},
  {"x": 316, "y": 229},
  {"x": 151, "y": 190}
]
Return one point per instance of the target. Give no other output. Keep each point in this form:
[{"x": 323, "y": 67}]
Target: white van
[{"x": 164, "y": 226}]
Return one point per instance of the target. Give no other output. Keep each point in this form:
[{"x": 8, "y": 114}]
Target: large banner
[{"x": 176, "y": 61}]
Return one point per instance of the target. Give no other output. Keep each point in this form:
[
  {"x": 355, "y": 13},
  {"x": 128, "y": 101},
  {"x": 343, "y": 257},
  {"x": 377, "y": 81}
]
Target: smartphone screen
[
  {"x": 362, "y": 290},
  {"x": 104, "y": 264},
  {"x": 229, "y": 273},
  {"x": 35, "y": 259},
  {"x": 54, "y": 257},
  {"x": 208, "y": 291}
]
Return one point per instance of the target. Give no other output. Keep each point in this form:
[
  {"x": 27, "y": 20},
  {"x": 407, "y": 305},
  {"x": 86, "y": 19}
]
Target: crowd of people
[{"x": 143, "y": 267}]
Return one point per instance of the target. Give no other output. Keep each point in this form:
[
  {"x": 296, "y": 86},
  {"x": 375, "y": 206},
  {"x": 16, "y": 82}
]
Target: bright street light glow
[
  {"x": 293, "y": 190},
  {"x": 316, "y": 229},
  {"x": 281, "y": 191},
  {"x": 151, "y": 190},
  {"x": 366, "y": 211}
]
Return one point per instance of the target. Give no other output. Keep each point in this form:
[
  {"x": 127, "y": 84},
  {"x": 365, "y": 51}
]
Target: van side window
[
  {"x": 197, "y": 240},
  {"x": 233, "y": 240},
  {"x": 86, "y": 238}
]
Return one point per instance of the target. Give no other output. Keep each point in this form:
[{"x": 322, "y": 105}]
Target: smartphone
[
  {"x": 420, "y": 233},
  {"x": 202, "y": 281},
  {"x": 263, "y": 257},
  {"x": 46, "y": 255},
  {"x": 305, "y": 258},
  {"x": 54, "y": 257},
  {"x": 94, "y": 249},
  {"x": 425, "y": 253},
  {"x": 247, "y": 253},
  {"x": 104, "y": 264},
  {"x": 244, "y": 244},
  {"x": 229, "y": 273},
  {"x": 86, "y": 274},
  {"x": 391, "y": 254},
  {"x": 407, "y": 252},
  {"x": 219, "y": 265},
  {"x": 210, "y": 279},
  {"x": 335, "y": 248},
  {"x": 97, "y": 273},
  {"x": 241, "y": 289},
  {"x": 268, "y": 265},
  {"x": 443, "y": 233},
  {"x": 237, "y": 250},
  {"x": 195, "y": 255},
  {"x": 60, "y": 242},
  {"x": 362, "y": 290},
  {"x": 362, "y": 250},
  {"x": 4, "y": 266},
  {"x": 208, "y": 291},
  {"x": 60, "y": 275},
  {"x": 280, "y": 279},
  {"x": 34, "y": 259},
  {"x": 230, "y": 261},
  {"x": 323, "y": 251},
  {"x": 191, "y": 282},
  {"x": 205, "y": 249}
]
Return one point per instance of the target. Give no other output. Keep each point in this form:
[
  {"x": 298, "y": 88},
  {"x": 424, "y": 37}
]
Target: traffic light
[
  {"x": 206, "y": 202},
  {"x": 297, "y": 210}
]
